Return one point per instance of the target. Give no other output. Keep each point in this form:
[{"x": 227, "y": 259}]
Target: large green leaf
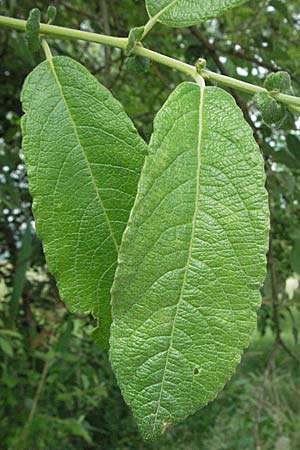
[
  {"x": 184, "y": 13},
  {"x": 83, "y": 157},
  {"x": 192, "y": 259}
]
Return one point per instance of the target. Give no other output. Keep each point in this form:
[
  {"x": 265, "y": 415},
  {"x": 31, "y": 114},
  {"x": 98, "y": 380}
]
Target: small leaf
[
  {"x": 135, "y": 35},
  {"x": 51, "y": 13},
  {"x": 184, "y": 13},
  {"x": 192, "y": 259},
  {"x": 83, "y": 157},
  {"x": 200, "y": 65},
  {"x": 137, "y": 64},
  {"x": 33, "y": 30},
  {"x": 278, "y": 81},
  {"x": 272, "y": 112}
]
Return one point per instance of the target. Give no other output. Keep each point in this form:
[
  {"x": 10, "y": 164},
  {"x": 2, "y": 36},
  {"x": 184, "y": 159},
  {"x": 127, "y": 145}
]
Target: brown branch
[
  {"x": 33, "y": 408},
  {"x": 261, "y": 394},
  {"x": 38, "y": 392},
  {"x": 289, "y": 351},
  {"x": 276, "y": 306}
]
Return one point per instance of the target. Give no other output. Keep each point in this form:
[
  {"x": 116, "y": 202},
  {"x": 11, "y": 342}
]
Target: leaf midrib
[
  {"x": 197, "y": 196},
  {"x": 52, "y": 67}
]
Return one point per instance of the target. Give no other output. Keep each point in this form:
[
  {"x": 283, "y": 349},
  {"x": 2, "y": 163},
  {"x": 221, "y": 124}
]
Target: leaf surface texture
[
  {"x": 184, "y": 13},
  {"x": 83, "y": 157},
  {"x": 192, "y": 259}
]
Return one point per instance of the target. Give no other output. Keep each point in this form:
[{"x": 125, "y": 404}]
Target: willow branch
[{"x": 54, "y": 31}]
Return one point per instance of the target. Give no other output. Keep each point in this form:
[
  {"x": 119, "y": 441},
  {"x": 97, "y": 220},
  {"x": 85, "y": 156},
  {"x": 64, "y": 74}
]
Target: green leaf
[
  {"x": 273, "y": 113},
  {"x": 184, "y": 13},
  {"x": 135, "y": 35},
  {"x": 278, "y": 81},
  {"x": 51, "y": 13},
  {"x": 192, "y": 259},
  {"x": 137, "y": 64},
  {"x": 83, "y": 157},
  {"x": 33, "y": 30}
]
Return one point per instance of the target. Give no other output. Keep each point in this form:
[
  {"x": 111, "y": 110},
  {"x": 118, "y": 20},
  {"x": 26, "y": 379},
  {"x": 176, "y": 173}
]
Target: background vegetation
[{"x": 57, "y": 390}]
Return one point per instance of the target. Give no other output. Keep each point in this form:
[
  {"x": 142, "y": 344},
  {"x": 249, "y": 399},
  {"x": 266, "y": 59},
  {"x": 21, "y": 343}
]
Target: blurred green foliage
[{"x": 57, "y": 390}]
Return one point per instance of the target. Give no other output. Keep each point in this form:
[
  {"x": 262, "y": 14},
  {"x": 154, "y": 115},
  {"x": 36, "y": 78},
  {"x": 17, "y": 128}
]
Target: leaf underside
[
  {"x": 184, "y": 13},
  {"x": 83, "y": 158},
  {"x": 192, "y": 259}
]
